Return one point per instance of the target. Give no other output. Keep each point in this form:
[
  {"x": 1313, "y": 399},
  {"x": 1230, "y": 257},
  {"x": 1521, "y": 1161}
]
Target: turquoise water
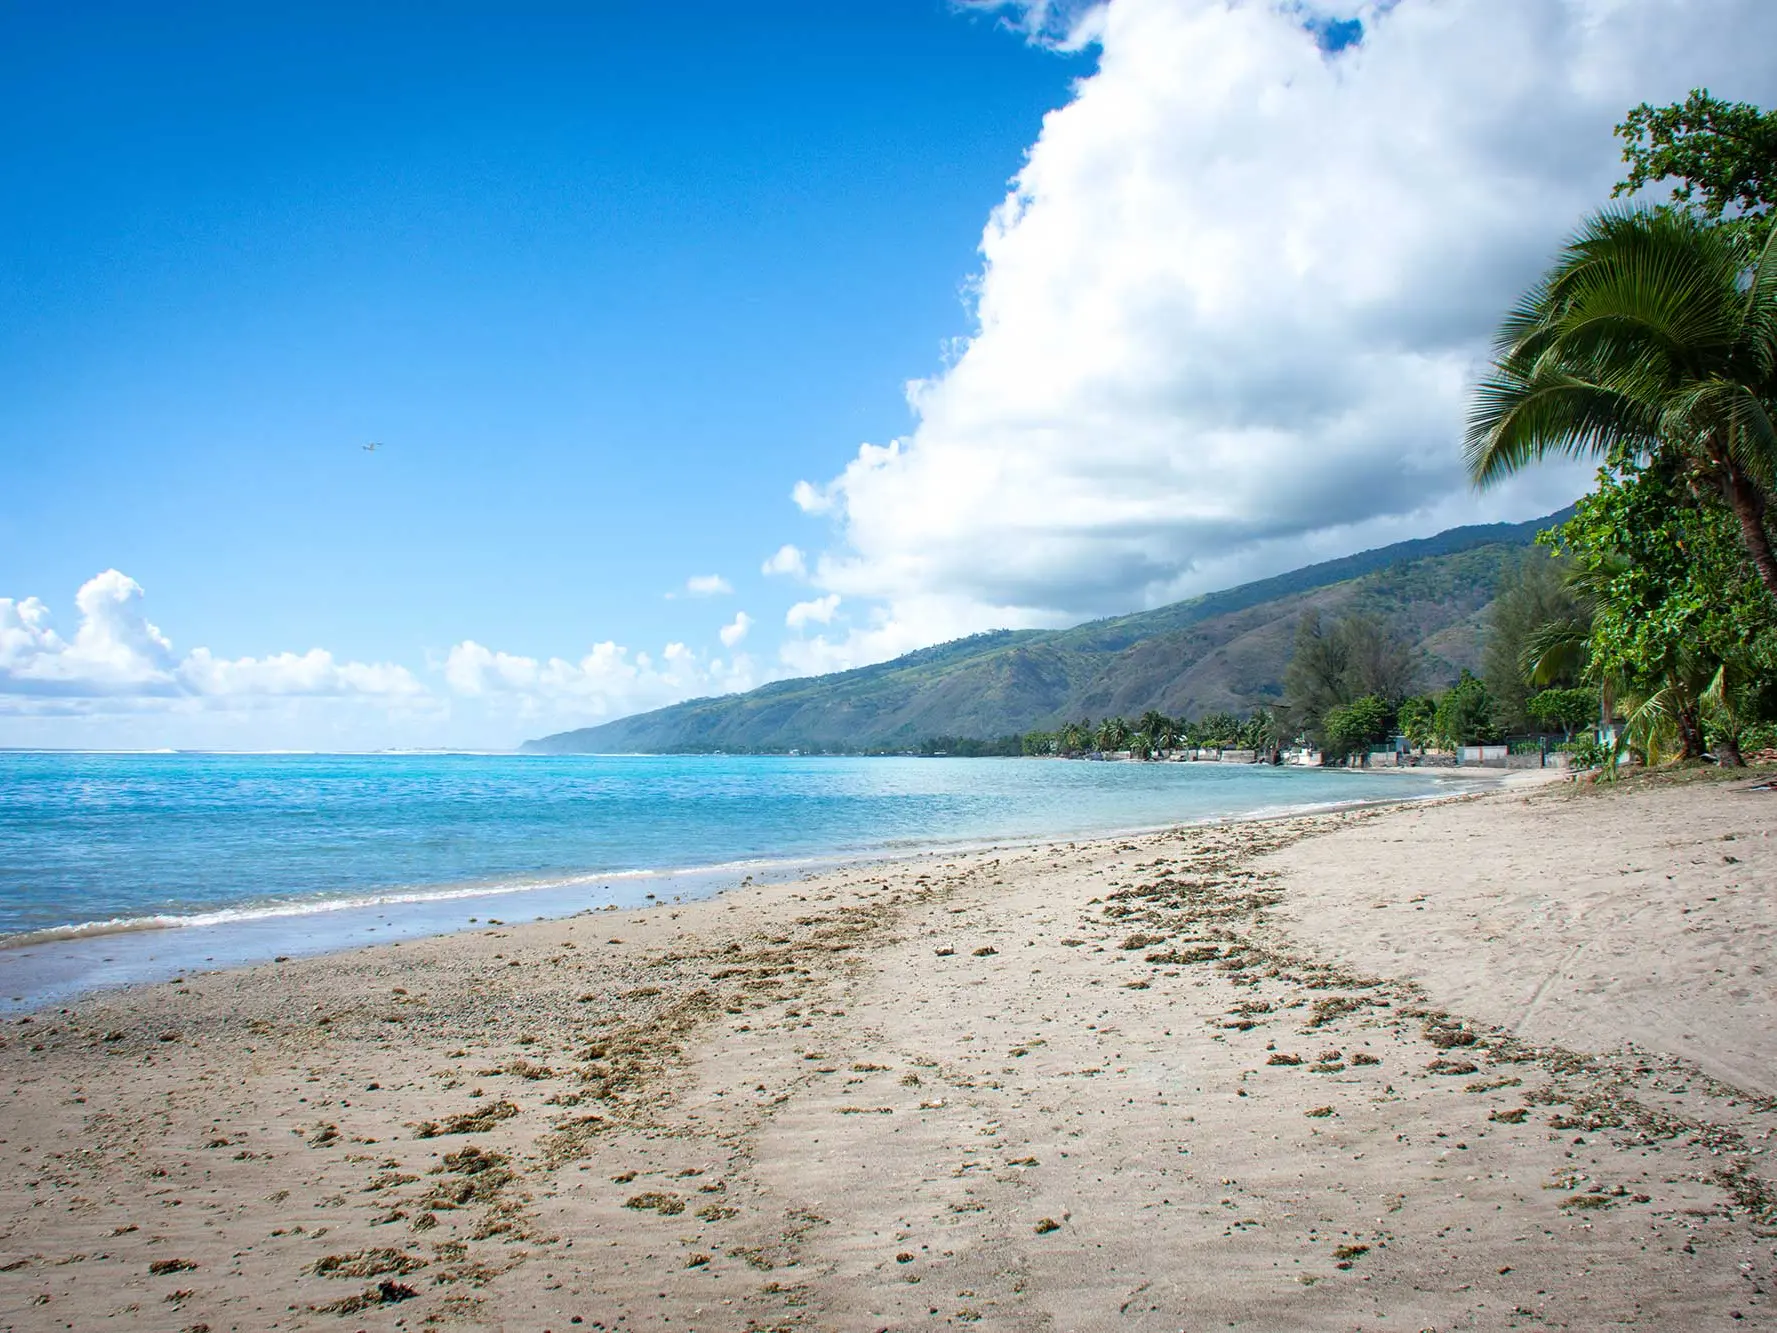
[{"x": 109, "y": 861}]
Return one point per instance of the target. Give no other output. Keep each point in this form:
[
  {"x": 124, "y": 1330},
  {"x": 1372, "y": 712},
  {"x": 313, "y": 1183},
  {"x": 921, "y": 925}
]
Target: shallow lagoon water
[{"x": 125, "y": 867}]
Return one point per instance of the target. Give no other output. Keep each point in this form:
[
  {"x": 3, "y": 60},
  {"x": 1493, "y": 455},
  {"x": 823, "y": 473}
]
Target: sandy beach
[{"x": 1500, "y": 1061}]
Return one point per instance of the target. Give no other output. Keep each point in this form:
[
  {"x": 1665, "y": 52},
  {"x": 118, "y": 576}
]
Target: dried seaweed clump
[
  {"x": 367, "y": 1263},
  {"x": 659, "y": 1201},
  {"x": 469, "y": 1122}
]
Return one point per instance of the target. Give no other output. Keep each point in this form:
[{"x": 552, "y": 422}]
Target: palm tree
[
  {"x": 1112, "y": 733},
  {"x": 1168, "y": 736},
  {"x": 1218, "y": 730},
  {"x": 1268, "y": 729},
  {"x": 1651, "y": 334},
  {"x": 1721, "y": 704},
  {"x": 1561, "y": 649},
  {"x": 1665, "y": 719},
  {"x": 1155, "y": 725}
]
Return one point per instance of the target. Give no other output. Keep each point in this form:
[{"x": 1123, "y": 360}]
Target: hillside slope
[{"x": 1224, "y": 650}]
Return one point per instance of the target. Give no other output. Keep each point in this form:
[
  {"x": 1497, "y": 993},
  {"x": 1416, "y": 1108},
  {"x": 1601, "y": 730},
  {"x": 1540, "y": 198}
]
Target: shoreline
[
  {"x": 63, "y": 964},
  {"x": 1250, "y": 1072}
]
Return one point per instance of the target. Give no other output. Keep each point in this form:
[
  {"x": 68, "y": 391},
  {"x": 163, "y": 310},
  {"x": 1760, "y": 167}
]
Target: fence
[{"x": 1527, "y": 751}]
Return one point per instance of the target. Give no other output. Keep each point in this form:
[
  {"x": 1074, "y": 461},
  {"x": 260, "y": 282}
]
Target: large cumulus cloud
[{"x": 1228, "y": 312}]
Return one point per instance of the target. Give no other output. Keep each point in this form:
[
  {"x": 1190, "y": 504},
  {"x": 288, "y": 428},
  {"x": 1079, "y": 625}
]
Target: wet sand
[{"x": 1476, "y": 1065}]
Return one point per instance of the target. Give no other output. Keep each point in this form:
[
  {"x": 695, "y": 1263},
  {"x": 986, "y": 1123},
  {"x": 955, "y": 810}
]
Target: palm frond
[
  {"x": 1557, "y": 650},
  {"x": 1651, "y": 727},
  {"x": 1517, "y": 421}
]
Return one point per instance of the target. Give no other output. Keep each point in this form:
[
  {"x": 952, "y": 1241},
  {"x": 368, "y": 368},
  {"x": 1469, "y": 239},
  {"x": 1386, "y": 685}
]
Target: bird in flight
[{"x": 373, "y": 446}]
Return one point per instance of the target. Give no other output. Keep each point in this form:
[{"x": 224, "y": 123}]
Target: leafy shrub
[
  {"x": 1467, "y": 714},
  {"x": 1568, "y": 709},
  {"x": 1418, "y": 721},
  {"x": 1587, "y": 752},
  {"x": 1356, "y": 726}
]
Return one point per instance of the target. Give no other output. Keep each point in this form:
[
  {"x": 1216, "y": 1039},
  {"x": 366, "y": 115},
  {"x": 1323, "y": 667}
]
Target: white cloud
[
  {"x": 707, "y": 585},
  {"x": 1066, "y": 25},
  {"x": 607, "y": 673},
  {"x": 117, "y": 679},
  {"x": 1228, "y": 314},
  {"x": 734, "y": 632},
  {"x": 787, "y": 560},
  {"x": 314, "y": 674},
  {"x": 820, "y": 611},
  {"x": 812, "y": 499},
  {"x": 118, "y": 658},
  {"x": 114, "y": 650},
  {"x": 609, "y": 682}
]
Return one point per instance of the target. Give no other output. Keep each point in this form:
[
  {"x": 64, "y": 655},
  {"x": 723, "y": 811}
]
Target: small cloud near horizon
[{"x": 707, "y": 585}]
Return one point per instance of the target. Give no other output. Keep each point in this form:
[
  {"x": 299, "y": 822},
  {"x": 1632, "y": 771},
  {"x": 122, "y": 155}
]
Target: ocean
[{"x": 117, "y": 868}]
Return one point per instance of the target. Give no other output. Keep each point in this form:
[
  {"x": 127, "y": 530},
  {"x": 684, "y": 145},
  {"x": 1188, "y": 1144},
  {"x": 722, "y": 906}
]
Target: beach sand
[{"x": 1503, "y": 1061}]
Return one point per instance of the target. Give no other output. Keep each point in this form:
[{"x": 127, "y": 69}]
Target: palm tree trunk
[
  {"x": 1748, "y": 506},
  {"x": 1690, "y": 730}
]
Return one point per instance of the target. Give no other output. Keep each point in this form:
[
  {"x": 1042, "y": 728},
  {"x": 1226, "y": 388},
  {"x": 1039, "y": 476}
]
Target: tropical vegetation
[
  {"x": 1154, "y": 735},
  {"x": 1651, "y": 346},
  {"x": 1224, "y": 652}
]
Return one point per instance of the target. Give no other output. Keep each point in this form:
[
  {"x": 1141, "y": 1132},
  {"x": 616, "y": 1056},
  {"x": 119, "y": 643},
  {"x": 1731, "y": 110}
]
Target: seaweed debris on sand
[{"x": 1189, "y": 1077}]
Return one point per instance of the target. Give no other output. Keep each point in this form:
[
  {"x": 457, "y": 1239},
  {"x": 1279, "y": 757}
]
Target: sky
[{"x": 708, "y": 344}]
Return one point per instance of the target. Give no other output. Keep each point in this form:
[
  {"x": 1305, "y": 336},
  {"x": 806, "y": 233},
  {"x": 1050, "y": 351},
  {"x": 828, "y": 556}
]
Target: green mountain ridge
[{"x": 1219, "y": 651}]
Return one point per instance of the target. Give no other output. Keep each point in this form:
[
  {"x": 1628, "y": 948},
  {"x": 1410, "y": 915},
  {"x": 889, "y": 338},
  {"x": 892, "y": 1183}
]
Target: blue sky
[
  {"x": 996, "y": 313},
  {"x": 605, "y": 280}
]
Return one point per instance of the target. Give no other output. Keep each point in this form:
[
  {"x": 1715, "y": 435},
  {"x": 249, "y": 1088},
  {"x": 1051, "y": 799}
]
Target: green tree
[
  {"x": 1559, "y": 649},
  {"x": 1113, "y": 734},
  {"x": 1534, "y": 594},
  {"x": 1218, "y": 730},
  {"x": 1168, "y": 736},
  {"x": 1266, "y": 731},
  {"x": 1674, "y": 607},
  {"x": 1376, "y": 662},
  {"x": 1722, "y": 157},
  {"x": 1314, "y": 679},
  {"x": 1568, "y": 709},
  {"x": 1651, "y": 337},
  {"x": 1418, "y": 720},
  {"x": 1352, "y": 728},
  {"x": 1154, "y": 725},
  {"x": 1466, "y": 714},
  {"x": 1334, "y": 664}
]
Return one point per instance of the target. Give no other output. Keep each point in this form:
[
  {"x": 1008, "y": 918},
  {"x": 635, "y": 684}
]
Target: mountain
[{"x": 1221, "y": 651}]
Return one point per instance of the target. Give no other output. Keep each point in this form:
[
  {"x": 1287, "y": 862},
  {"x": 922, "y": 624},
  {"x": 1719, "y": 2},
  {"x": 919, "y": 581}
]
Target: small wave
[
  {"x": 88, "y": 930},
  {"x": 887, "y": 850},
  {"x": 268, "y": 911}
]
